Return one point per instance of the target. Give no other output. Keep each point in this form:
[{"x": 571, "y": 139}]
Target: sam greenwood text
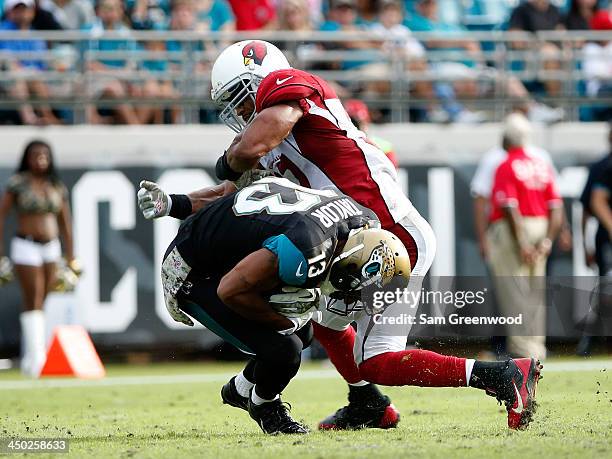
[{"x": 452, "y": 319}]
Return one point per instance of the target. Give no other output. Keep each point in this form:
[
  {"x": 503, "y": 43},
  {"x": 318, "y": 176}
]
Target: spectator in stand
[
  {"x": 390, "y": 25},
  {"x": 43, "y": 19},
  {"x": 107, "y": 73},
  {"x": 316, "y": 11},
  {"x": 65, "y": 61},
  {"x": 70, "y": 14},
  {"x": 184, "y": 17},
  {"x": 342, "y": 17},
  {"x": 367, "y": 12},
  {"x": 254, "y": 14},
  {"x": 215, "y": 16},
  {"x": 358, "y": 111},
  {"x": 425, "y": 19},
  {"x": 460, "y": 73},
  {"x": 148, "y": 14},
  {"x": 526, "y": 215},
  {"x": 597, "y": 65},
  {"x": 19, "y": 15},
  {"x": 579, "y": 15},
  {"x": 534, "y": 16},
  {"x": 294, "y": 16},
  {"x": 198, "y": 16},
  {"x": 400, "y": 44},
  {"x": 153, "y": 15}
]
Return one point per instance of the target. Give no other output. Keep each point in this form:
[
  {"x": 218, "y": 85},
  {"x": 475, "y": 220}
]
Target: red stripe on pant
[
  {"x": 415, "y": 367},
  {"x": 339, "y": 348}
]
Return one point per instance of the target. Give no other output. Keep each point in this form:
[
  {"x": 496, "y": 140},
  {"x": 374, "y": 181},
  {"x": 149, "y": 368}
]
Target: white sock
[
  {"x": 243, "y": 385},
  {"x": 257, "y": 400},
  {"x": 34, "y": 348},
  {"x": 26, "y": 332},
  {"x": 359, "y": 383},
  {"x": 469, "y": 366}
]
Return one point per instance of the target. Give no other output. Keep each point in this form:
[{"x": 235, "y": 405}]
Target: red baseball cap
[
  {"x": 602, "y": 20},
  {"x": 357, "y": 110}
]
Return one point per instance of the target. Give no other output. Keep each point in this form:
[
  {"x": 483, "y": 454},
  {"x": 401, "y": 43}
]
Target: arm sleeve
[
  {"x": 292, "y": 265},
  {"x": 281, "y": 87}
]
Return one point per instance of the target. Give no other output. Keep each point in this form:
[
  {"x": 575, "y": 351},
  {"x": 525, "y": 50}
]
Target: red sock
[
  {"x": 339, "y": 348},
  {"x": 414, "y": 368}
]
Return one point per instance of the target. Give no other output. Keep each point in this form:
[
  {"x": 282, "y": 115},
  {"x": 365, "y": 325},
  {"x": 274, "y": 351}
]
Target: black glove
[{"x": 224, "y": 172}]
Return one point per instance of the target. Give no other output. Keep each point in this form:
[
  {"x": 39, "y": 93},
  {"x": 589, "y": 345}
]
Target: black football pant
[{"x": 276, "y": 357}]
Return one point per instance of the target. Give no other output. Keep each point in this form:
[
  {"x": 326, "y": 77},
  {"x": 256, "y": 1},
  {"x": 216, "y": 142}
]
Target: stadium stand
[{"x": 441, "y": 60}]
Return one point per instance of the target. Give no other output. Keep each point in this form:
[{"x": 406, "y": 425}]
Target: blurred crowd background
[{"x": 148, "y": 61}]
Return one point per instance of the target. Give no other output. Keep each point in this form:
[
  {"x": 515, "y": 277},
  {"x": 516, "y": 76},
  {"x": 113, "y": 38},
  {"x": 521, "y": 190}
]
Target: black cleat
[
  {"x": 376, "y": 412},
  {"x": 274, "y": 418},
  {"x": 230, "y": 396}
]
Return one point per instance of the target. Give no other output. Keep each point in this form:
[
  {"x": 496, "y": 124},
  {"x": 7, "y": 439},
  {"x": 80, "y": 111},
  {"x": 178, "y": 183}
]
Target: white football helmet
[{"x": 236, "y": 75}]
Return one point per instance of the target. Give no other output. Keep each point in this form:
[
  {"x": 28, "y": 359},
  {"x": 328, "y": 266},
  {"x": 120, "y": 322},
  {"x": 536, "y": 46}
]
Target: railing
[{"x": 505, "y": 56}]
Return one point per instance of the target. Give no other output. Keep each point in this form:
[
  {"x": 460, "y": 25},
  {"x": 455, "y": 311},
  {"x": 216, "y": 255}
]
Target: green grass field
[{"x": 174, "y": 410}]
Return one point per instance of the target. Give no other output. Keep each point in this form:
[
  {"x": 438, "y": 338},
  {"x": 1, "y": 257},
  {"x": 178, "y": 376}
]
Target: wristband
[
  {"x": 181, "y": 206},
  {"x": 223, "y": 171}
]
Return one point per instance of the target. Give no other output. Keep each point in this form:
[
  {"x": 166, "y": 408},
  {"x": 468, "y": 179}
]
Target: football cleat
[
  {"x": 520, "y": 380},
  {"x": 375, "y": 414},
  {"x": 230, "y": 396},
  {"x": 274, "y": 418}
]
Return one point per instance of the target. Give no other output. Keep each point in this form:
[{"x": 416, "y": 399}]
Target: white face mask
[{"x": 237, "y": 93}]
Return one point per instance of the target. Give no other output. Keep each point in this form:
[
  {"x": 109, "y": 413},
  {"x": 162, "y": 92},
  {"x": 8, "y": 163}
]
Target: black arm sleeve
[{"x": 181, "y": 206}]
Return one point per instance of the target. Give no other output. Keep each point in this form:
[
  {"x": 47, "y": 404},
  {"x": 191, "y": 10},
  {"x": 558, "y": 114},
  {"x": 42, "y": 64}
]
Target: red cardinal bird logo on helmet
[{"x": 254, "y": 52}]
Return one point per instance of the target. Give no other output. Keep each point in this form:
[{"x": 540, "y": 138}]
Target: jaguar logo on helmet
[
  {"x": 254, "y": 53},
  {"x": 371, "y": 258}
]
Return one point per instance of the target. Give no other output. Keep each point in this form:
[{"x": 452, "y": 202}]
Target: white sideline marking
[{"x": 550, "y": 367}]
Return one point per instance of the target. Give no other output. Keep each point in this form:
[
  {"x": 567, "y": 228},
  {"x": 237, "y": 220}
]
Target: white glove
[
  {"x": 6, "y": 270},
  {"x": 153, "y": 201},
  {"x": 295, "y": 301},
  {"x": 298, "y": 322}
]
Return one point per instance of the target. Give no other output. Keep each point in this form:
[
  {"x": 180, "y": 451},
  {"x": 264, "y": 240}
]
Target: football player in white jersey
[{"x": 291, "y": 122}]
